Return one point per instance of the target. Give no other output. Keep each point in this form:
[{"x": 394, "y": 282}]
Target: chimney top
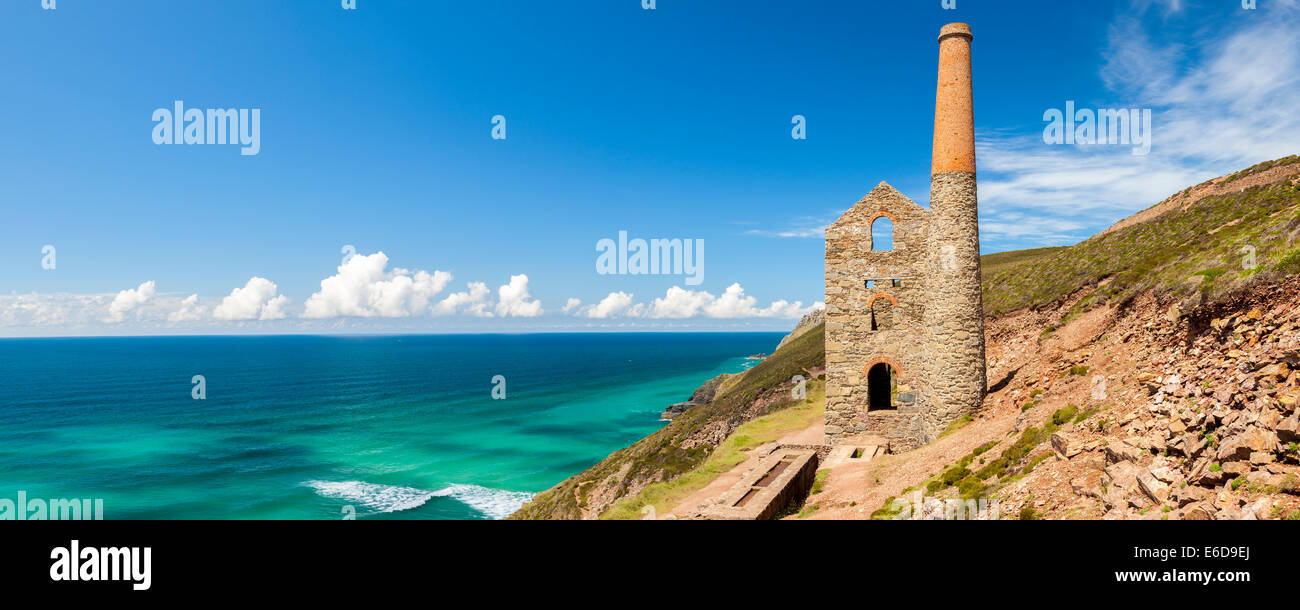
[
  {"x": 954, "y": 116},
  {"x": 956, "y": 29}
]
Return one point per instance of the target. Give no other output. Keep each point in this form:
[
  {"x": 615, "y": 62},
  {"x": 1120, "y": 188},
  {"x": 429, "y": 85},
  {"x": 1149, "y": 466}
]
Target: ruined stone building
[{"x": 905, "y": 326}]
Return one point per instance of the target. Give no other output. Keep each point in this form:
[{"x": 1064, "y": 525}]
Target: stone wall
[
  {"x": 898, "y": 295},
  {"x": 955, "y": 314},
  {"x": 928, "y": 325},
  {"x": 932, "y": 331}
]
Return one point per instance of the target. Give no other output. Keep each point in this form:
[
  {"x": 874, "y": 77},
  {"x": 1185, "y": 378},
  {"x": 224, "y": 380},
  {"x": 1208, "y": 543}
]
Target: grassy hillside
[
  {"x": 993, "y": 264},
  {"x": 1204, "y": 248},
  {"x": 666, "y": 495},
  {"x": 684, "y": 443}
]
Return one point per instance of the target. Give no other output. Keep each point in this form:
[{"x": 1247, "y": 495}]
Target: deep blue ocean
[{"x": 323, "y": 427}]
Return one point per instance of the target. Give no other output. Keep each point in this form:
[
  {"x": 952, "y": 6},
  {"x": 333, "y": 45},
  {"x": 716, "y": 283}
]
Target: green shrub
[
  {"x": 989, "y": 445},
  {"x": 996, "y": 468},
  {"x": 885, "y": 512},
  {"x": 954, "y": 474},
  {"x": 970, "y": 487},
  {"x": 1063, "y": 416},
  {"x": 1034, "y": 463}
]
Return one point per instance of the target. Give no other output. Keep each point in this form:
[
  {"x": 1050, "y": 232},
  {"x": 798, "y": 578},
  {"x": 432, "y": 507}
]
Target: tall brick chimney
[
  {"x": 954, "y": 114},
  {"x": 955, "y": 309}
]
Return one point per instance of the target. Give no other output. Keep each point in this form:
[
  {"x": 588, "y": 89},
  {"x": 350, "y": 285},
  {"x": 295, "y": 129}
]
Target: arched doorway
[{"x": 882, "y": 386}]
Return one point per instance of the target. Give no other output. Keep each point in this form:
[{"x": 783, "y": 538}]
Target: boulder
[
  {"x": 1210, "y": 477},
  {"x": 1275, "y": 372},
  {"x": 1233, "y": 470},
  {"x": 1089, "y": 485},
  {"x": 1261, "y": 439},
  {"x": 1289, "y": 428},
  {"x": 1190, "y": 494},
  {"x": 1064, "y": 448},
  {"x": 1155, "y": 489},
  {"x": 1233, "y": 449},
  {"x": 1121, "y": 475},
  {"x": 1193, "y": 445},
  {"x": 1122, "y": 452}
]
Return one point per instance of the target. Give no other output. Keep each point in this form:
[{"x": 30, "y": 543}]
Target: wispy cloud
[
  {"x": 803, "y": 227},
  {"x": 1222, "y": 99}
]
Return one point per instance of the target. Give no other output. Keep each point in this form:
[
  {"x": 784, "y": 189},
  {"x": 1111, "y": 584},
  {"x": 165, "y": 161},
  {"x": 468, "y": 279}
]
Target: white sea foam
[
  {"x": 493, "y": 503},
  {"x": 382, "y": 498}
]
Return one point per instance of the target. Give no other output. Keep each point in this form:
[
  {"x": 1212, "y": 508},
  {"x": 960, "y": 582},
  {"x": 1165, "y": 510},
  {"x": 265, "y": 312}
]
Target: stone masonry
[{"x": 905, "y": 327}]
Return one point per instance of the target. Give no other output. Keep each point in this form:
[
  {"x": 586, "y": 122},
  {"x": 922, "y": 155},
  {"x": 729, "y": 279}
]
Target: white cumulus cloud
[
  {"x": 614, "y": 305},
  {"x": 473, "y": 302},
  {"x": 189, "y": 311},
  {"x": 364, "y": 288},
  {"x": 680, "y": 303},
  {"x": 128, "y": 300},
  {"x": 513, "y": 299},
  {"x": 257, "y": 300}
]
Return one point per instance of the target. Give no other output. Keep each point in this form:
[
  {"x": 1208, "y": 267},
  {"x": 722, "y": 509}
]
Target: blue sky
[{"x": 375, "y": 132}]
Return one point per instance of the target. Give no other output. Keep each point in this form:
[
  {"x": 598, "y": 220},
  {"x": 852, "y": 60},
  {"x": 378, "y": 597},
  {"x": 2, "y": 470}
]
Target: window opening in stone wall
[
  {"x": 882, "y": 314},
  {"x": 882, "y": 234}
]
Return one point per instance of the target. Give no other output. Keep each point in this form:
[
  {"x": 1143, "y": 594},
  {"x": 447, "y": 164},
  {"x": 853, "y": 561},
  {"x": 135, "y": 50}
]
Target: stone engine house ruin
[{"x": 904, "y": 313}]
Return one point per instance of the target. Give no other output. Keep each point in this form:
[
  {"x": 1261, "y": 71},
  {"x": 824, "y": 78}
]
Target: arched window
[
  {"x": 882, "y": 387},
  {"x": 882, "y": 233}
]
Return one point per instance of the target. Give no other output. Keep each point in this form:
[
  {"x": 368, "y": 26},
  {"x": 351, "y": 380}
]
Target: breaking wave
[{"x": 492, "y": 503}]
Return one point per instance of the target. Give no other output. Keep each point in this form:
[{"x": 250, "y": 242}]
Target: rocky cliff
[
  {"x": 1146, "y": 373},
  {"x": 1149, "y": 372}
]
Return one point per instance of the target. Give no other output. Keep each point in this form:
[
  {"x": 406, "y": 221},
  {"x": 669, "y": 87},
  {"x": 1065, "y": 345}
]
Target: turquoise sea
[{"x": 321, "y": 427}]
